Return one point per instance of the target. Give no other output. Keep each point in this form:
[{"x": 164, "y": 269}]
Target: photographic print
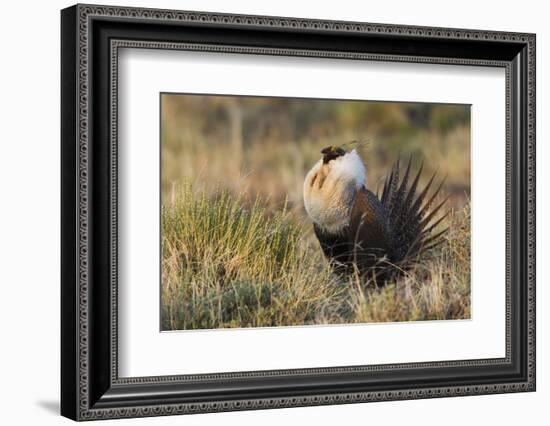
[{"x": 293, "y": 212}]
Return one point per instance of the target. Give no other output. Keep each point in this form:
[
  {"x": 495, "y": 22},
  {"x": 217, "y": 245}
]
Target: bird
[{"x": 379, "y": 235}]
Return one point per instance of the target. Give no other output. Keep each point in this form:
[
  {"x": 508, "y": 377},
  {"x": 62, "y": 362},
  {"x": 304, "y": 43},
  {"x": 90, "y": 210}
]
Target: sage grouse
[{"x": 360, "y": 231}]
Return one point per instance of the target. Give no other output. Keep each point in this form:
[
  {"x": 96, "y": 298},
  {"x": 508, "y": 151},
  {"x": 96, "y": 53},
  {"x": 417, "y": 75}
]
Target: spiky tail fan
[{"x": 411, "y": 217}]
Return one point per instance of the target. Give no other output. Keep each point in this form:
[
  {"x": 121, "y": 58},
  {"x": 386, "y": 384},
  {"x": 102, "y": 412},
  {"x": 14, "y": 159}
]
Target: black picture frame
[{"x": 90, "y": 386}]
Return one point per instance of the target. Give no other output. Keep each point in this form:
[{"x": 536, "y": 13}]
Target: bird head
[{"x": 331, "y": 152}]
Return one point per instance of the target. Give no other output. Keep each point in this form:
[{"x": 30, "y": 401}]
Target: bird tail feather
[{"x": 412, "y": 220}]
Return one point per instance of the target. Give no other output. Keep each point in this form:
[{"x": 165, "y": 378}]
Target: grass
[{"x": 234, "y": 262}]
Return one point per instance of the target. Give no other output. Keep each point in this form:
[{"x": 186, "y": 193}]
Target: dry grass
[{"x": 234, "y": 262}]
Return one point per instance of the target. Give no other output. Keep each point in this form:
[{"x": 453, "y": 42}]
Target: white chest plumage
[{"x": 329, "y": 190}]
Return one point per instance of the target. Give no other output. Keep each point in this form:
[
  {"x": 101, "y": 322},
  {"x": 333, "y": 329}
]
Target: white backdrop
[{"x": 29, "y": 229}]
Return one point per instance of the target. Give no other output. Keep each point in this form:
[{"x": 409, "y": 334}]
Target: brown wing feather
[{"x": 369, "y": 232}]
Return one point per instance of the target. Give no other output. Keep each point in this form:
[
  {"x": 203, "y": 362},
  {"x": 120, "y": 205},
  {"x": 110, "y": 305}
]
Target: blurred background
[{"x": 261, "y": 146}]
